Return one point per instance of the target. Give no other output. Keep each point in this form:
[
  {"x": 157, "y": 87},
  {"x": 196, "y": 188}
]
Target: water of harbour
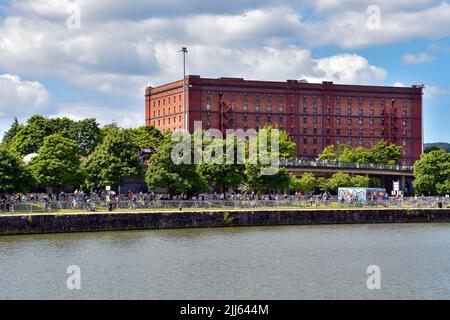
[{"x": 295, "y": 262}]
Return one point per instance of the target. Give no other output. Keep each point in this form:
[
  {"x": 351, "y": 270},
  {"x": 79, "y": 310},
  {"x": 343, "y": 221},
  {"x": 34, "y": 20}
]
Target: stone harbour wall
[{"x": 21, "y": 224}]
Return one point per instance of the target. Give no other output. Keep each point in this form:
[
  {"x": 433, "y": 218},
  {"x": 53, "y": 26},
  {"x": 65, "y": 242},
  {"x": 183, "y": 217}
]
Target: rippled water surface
[{"x": 296, "y": 262}]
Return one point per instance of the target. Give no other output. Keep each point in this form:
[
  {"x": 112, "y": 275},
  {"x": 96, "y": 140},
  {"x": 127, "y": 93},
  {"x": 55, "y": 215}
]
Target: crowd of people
[
  {"x": 81, "y": 199},
  {"x": 88, "y": 200}
]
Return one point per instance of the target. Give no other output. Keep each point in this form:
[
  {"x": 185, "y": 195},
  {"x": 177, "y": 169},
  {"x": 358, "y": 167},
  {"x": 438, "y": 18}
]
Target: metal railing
[
  {"x": 305, "y": 202},
  {"x": 298, "y": 163}
]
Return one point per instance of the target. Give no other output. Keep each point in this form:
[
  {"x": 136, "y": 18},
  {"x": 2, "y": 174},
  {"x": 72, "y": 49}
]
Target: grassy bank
[{"x": 157, "y": 210}]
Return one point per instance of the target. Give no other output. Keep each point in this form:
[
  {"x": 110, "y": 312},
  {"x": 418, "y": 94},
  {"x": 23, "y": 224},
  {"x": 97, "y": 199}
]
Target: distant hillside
[{"x": 442, "y": 145}]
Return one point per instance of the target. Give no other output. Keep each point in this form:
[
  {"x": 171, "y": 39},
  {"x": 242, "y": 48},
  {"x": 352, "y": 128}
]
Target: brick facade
[{"x": 314, "y": 115}]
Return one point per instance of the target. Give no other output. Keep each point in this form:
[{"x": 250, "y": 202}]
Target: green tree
[
  {"x": 58, "y": 163},
  {"x": 432, "y": 148},
  {"x": 14, "y": 175},
  {"x": 341, "y": 149},
  {"x": 375, "y": 183},
  {"x": 385, "y": 153},
  {"x": 113, "y": 160},
  {"x": 347, "y": 155},
  {"x": 432, "y": 173},
  {"x": 287, "y": 146},
  {"x": 59, "y": 125},
  {"x": 381, "y": 152},
  {"x": 441, "y": 145},
  {"x": 162, "y": 172},
  {"x": 85, "y": 132},
  {"x": 359, "y": 182},
  {"x": 443, "y": 188},
  {"x": 328, "y": 153},
  {"x": 30, "y": 136},
  {"x": 109, "y": 129},
  {"x": 324, "y": 184},
  {"x": 307, "y": 182},
  {"x": 222, "y": 175},
  {"x": 146, "y": 137},
  {"x": 339, "y": 180},
  {"x": 363, "y": 155},
  {"x": 295, "y": 184},
  {"x": 11, "y": 133},
  {"x": 425, "y": 184},
  {"x": 264, "y": 183},
  {"x": 281, "y": 179}
]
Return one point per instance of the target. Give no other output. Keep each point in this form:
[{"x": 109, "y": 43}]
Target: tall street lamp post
[{"x": 185, "y": 51}]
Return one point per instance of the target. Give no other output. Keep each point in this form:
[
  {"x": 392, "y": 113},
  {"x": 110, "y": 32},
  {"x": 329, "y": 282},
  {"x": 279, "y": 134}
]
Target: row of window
[
  {"x": 314, "y": 99},
  {"x": 350, "y": 121},
  {"x": 338, "y": 139},
  {"x": 173, "y": 120},
  {"x": 281, "y": 98},
  {"x": 350, "y": 131},
  {"x": 315, "y": 119},
  {"x": 257, "y": 108},
  {"x": 169, "y": 100},
  {"x": 306, "y": 110},
  {"x": 169, "y": 111}
]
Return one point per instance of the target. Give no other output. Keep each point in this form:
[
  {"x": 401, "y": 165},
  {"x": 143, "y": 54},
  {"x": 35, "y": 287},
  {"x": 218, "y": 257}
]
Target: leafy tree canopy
[
  {"x": 146, "y": 137},
  {"x": 339, "y": 180},
  {"x": 306, "y": 183},
  {"x": 14, "y": 175},
  {"x": 31, "y": 136},
  {"x": 432, "y": 173},
  {"x": 381, "y": 152},
  {"x": 162, "y": 172},
  {"x": 58, "y": 163},
  {"x": 86, "y": 133},
  {"x": 328, "y": 153},
  {"x": 11, "y": 133},
  {"x": 435, "y": 146},
  {"x": 28, "y": 138},
  {"x": 281, "y": 179},
  {"x": 113, "y": 160},
  {"x": 225, "y": 174},
  {"x": 360, "y": 182}
]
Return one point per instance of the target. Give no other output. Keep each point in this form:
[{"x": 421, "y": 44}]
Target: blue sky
[{"x": 79, "y": 58}]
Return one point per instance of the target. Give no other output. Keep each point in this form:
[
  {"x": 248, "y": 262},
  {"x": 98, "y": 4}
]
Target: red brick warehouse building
[{"x": 314, "y": 115}]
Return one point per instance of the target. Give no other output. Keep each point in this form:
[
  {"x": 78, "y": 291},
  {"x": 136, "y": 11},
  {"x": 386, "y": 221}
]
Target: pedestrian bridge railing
[
  {"x": 306, "y": 202},
  {"x": 294, "y": 163}
]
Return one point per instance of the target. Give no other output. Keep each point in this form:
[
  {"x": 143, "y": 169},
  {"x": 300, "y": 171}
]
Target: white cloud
[
  {"x": 127, "y": 117},
  {"x": 349, "y": 68},
  {"x": 21, "y": 98},
  {"x": 237, "y": 23},
  {"x": 123, "y": 47},
  {"x": 269, "y": 63},
  {"x": 256, "y": 27},
  {"x": 349, "y": 29},
  {"x": 45, "y": 8},
  {"x": 122, "y": 57},
  {"x": 106, "y": 60},
  {"x": 385, "y": 5},
  {"x": 430, "y": 92},
  {"x": 107, "y": 10},
  {"x": 433, "y": 92},
  {"x": 422, "y": 57}
]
